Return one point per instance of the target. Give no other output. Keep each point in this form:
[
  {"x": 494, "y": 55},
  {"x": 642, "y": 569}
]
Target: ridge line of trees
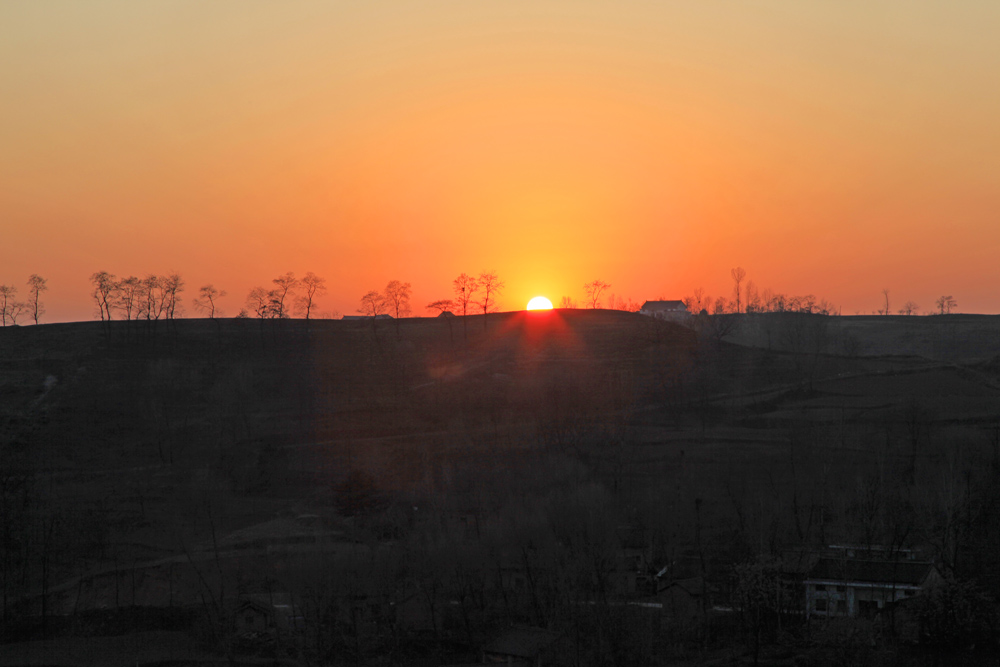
[
  {"x": 11, "y": 308},
  {"x": 156, "y": 297}
]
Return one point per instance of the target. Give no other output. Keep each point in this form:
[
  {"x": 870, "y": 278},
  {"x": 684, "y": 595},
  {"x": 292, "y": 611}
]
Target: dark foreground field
[{"x": 420, "y": 492}]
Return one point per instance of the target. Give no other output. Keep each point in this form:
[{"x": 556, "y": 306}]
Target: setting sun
[{"x": 539, "y": 303}]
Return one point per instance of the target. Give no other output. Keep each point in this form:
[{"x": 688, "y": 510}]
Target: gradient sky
[{"x": 832, "y": 148}]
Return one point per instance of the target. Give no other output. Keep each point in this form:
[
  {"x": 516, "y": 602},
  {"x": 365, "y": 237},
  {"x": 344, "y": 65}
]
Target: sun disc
[{"x": 539, "y": 303}]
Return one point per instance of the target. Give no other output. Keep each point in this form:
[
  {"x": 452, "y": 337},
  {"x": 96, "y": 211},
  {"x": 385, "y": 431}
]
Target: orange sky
[{"x": 827, "y": 148}]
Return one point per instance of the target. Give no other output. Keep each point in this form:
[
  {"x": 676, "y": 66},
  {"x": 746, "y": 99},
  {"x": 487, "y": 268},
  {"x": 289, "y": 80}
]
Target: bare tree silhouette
[
  {"x": 207, "y": 296},
  {"x": 170, "y": 287},
  {"x": 593, "y": 291},
  {"x": 397, "y": 298},
  {"x": 441, "y": 305},
  {"x": 126, "y": 297},
  {"x": 15, "y": 309},
  {"x": 151, "y": 301},
  {"x": 314, "y": 286},
  {"x": 285, "y": 285},
  {"x": 945, "y": 304},
  {"x": 36, "y": 285},
  {"x": 105, "y": 288},
  {"x": 751, "y": 299},
  {"x": 885, "y": 297},
  {"x": 8, "y": 294},
  {"x": 909, "y": 308},
  {"x": 465, "y": 287},
  {"x": 738, "y": 274},
  {"x": 373, "y": 304},
  {"x": 258, "y": 302},
  {"x": 491, "y": 287}
]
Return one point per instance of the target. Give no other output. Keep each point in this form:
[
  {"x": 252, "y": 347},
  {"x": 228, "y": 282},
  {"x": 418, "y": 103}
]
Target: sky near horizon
[{"x": 828, "y": 148}]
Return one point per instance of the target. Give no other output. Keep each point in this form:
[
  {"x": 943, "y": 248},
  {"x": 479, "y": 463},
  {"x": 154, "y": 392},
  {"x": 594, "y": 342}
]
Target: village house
[
  {"x": 265, "y": 613},
  {"x": 674, "y": 311},
  {"x": 854, "y": 587},
  {"x": 684, "y": 601},
  {"x": 254, "y": 616},
  {"x": 634, "y": 573}
]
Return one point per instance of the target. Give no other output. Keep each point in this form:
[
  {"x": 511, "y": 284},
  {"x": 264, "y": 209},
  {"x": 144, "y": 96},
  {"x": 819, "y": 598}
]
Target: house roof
[
  {"x": 521, "y": 642},
  {"x": 664, "y": 305},
  {"x": 871, "y": 571},
  {"x": 693, "y": 586},
  {"x": 255, "y": 605}
]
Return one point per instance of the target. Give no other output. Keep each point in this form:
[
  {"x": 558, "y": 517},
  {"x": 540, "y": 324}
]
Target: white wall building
[
  {"x": 675, "y": 311},
  {"x": 850, "y": 587}
]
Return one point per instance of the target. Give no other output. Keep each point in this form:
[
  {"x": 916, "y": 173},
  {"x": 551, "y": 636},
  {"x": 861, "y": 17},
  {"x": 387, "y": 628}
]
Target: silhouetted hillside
[{"x": 193, "y": 468}]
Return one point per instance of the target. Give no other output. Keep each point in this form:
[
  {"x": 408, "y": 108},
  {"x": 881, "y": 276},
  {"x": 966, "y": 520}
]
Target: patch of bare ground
[{"x": 142, "y": 648}]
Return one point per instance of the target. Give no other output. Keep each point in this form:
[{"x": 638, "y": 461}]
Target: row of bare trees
[
  {"x": 593, "y": 291},
  {"x": 747, "y": 298},
  {"x": 478, "y": 294},
  {"x": 154, "y": 297},
  {"x": 289, "y": 295},
  {"x": 11, "y": 308},
  {"x": 944, "y": 305},
  {"x": 393, "y": 300},
  {"x": 131, "y": 298}
]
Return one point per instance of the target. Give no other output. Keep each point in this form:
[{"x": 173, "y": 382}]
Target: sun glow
[{"x": 539, "y": 303}]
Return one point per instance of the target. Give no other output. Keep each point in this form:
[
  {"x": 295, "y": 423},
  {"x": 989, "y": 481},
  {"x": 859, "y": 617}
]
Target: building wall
[{"x": 852, "y": 599}]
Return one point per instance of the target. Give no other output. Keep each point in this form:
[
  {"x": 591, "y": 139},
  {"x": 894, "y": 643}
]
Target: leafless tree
[
  {"x": 622, "y": 303},
  {"x": 695, "y": 304},
  {"x": 465, "y": 287},
  {"x": 170, "y": 288},
  {"x": 738, "y": 274},
  {"x": 752, "y": 301},
  {"x": 8, "y": 294},
  {"x": 568, "y": 302},
  {"x": 207, "y": 296},
  {"x": 313, "y": 287},
  {"x": 372, "y": 305},
  {"x": 397, "y": 298},
  {"x": 802, "y": 304},
  {"x": 258, "y": 301},
  {"x": 126, "y": 296},
  {"x": 15, "y": 309},
  {"x": 909, "y": 308},
  {"x": 36, "y": 285},
  {"x": 594, "y": 290},
  {"x": 945, "y": 304},
  {"x": 776, "y": 302},
  {"x": 442, "y": 305},
  {"x": 757, "y": 599},
  {"x": 885, "y": 298},
  {"x": 766, "y": 300},
  {"x": 285, "y": 285},
  {"x": 105, "y": 288},
  {"x": 491, "y": 287},
  {"x": 151, "y": 297},
  {"x": 824, "y": 307}
]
